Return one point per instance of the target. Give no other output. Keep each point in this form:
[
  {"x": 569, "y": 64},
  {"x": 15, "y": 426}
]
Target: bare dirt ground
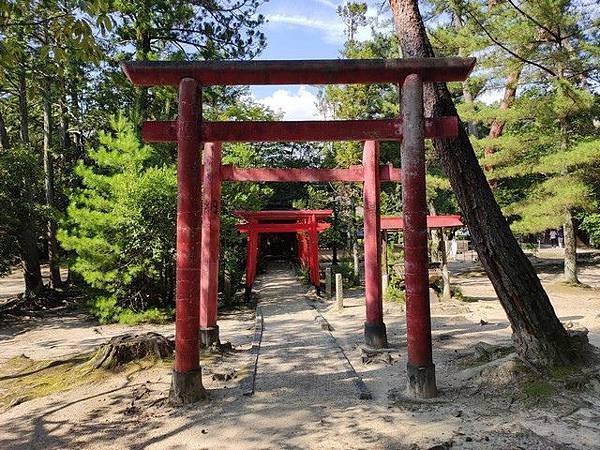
[{"x": 308, "y": 390}]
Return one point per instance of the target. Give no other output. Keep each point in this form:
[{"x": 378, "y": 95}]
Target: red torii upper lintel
[{"x": 327, "y": 71}]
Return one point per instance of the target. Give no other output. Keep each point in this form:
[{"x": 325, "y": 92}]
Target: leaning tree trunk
[{"x": 539, "y": 337}]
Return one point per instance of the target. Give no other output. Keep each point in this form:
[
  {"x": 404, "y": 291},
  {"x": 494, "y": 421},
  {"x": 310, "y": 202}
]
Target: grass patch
[
  {"x": 538, "y": 389},
  {"x": 467, "y": 299},
  {"x": 561, "y": 373}
]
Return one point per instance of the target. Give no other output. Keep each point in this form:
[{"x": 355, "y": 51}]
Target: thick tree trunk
[
  {"x": 30, "y": 258},
  {"x": 570, "y": 259},
  {"x": 539, "y": 337},
  {"x": 30, "y": 261},
  {"x": 53, "y": 262}
]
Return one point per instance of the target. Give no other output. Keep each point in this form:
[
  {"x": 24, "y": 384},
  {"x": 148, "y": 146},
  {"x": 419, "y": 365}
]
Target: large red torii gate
[
  {"x": 195, "y": 217},
  {"x": 307, "y": 224}
]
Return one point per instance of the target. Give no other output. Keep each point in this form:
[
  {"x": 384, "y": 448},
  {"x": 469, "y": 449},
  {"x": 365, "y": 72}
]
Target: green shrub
[
  {"x": 395, "y": 290},
  {"x": 107, "y": 310},
  {"x": 302, "y": 273},
  {"x": 457, "y": 294},
  {"x": 347, "y": 270},
  {"x": 395, "y": 294}
]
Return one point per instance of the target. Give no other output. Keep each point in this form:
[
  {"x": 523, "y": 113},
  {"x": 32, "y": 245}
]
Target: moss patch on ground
[{"x": 23, "y": 379}]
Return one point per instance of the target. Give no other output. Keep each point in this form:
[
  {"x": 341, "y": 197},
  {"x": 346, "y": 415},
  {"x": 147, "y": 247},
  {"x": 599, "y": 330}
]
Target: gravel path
[{"x": 305, "y": 396}]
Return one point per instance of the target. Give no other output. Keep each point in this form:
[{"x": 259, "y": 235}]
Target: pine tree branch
[
  {"x": 535, "y": 21},
  {"x": 505, "y": 48}
]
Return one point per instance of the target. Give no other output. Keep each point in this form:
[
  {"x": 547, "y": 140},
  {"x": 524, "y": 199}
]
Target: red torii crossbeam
[
  {"x": 305, "y": 223},
  {"x": 441, "y": 221},
  {"x": 192, "y": 209}
]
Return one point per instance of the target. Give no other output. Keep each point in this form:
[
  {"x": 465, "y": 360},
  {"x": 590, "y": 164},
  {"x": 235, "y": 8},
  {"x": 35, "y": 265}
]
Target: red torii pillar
[
  {"x": 252, "y": 254},
  {"x": 420, "y": 367},
  {"x": 375, "y": 332},
  {"x": 211, "y": 231},
  {"x": 313, "y": 254},
  {"x": 186, "y": 383}
]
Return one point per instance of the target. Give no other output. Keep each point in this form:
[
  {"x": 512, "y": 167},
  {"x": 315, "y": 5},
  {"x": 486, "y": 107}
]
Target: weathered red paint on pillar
[
  {"x": 313, "y": 242},
  {"x": 211, "y": 231},
  {"x": 188, "y": 226},
  {"x": 251, "y": 258},
  {"x": 375, "y": 334},
  {"x": 421, "y": 371}
]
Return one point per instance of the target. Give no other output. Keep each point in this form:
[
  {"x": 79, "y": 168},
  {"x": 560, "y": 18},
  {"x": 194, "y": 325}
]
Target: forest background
[{"x": 79, "y": 190}]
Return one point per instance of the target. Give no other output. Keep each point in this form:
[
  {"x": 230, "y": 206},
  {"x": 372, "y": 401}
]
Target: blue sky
[{"x": 303, "y": 29}]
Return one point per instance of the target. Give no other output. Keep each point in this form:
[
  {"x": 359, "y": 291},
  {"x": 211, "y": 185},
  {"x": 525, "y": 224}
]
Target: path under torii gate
[
  {"x": 197, "y": 206},
  {"x": 306, "y": 224}
]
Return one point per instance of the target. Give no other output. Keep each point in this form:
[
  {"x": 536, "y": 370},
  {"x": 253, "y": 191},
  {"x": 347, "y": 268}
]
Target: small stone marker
[
  {"x": 339, "y": 291},
  {"x": 384, "y": 283},
  {"x": 328, "y": 282}
]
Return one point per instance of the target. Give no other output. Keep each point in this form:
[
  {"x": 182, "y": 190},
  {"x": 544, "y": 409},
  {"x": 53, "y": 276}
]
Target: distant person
[
  {"x": 561, "y": 237},
  {"x": 553, "y": 238},
  {"x": 453, "y": 246}
]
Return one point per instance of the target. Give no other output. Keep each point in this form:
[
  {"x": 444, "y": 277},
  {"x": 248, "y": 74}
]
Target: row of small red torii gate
[
  {"x": 307, "y": 224},
  {"x": 199, "y": 187}
]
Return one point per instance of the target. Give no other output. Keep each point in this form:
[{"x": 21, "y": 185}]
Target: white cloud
[
  {"x": 299, "y": 105},
  {"x": 333, "y": 30},
  {"x": 327, "y": 3}
]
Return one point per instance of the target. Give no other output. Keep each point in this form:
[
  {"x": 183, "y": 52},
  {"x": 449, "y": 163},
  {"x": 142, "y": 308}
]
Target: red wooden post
[
  {"x": 315, "y": 276},
  {"x": 186, "y": 384},
  {"x": 251, "y": 261},
  {"x": 421, "y": 370},
  {"x": 375, "y": 332},
  {"x": 211, "y": 231}
]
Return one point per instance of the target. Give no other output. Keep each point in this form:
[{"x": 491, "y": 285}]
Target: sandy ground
[
  {"x": 306, "y": 392},
  {"x": 13, "y": 284}
]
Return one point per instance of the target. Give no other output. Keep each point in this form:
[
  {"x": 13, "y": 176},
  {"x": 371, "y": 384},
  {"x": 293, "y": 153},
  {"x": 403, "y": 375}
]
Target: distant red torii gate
[
  {"x": 189, "y": 131},
  {"x": 307, "y": 224}
]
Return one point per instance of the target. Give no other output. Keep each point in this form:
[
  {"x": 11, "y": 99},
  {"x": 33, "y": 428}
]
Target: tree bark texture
[
  {"x": 30, "y": 261},
  {"x": 27, "y": 239},
  {"x": 570, "y": 259},
  {"x": 569, "y": 230},
  {"x": 539, "y": 337},
  {"x": 53, "y": 262}
]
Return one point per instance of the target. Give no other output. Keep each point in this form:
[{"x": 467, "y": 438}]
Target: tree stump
[{"x": 125, "y": 348}]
